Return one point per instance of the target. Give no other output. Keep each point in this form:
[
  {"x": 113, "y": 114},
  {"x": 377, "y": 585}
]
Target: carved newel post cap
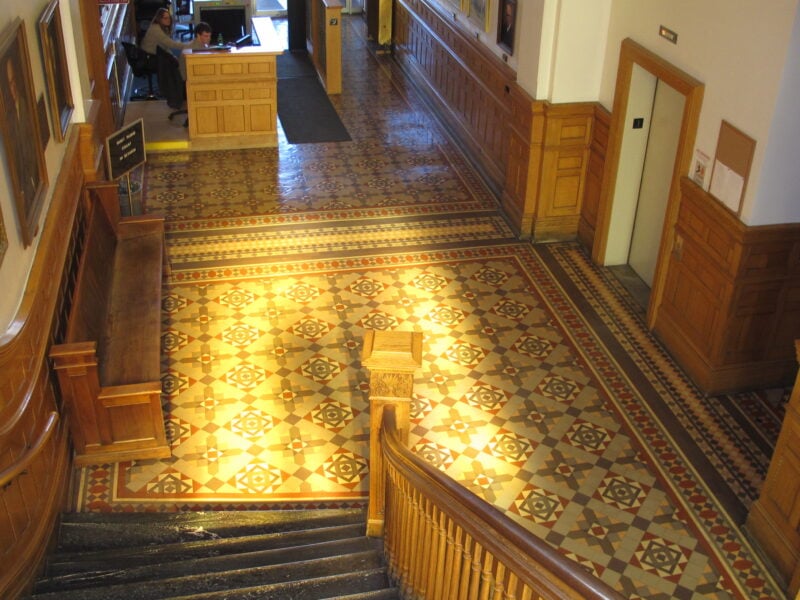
[{"x": 396, "y": 351}]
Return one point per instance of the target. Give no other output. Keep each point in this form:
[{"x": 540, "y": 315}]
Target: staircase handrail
[
  {"x": 496, "y": 554},
  {"x": 19, "y": 466}
]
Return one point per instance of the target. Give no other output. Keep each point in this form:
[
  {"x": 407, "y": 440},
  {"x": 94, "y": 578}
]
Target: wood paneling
[
  {"x": 774, "y": 519},
  {"x": 31, "y": 502},
  {"x": 232, "y": 96},
  {"x": 534, "y": 155},
  {"x": 594, "y": 176},
  {"x": 473, "y": 86},
  {"x": 565, "y": 157},
  {"x": 731, "y": 303}
]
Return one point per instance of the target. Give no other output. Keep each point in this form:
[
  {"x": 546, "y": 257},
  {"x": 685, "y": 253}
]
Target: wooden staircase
[{"x": 280, "y": 555}]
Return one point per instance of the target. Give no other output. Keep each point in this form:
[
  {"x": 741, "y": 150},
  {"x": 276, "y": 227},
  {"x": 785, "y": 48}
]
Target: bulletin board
[{"x": 731, "y": 168}]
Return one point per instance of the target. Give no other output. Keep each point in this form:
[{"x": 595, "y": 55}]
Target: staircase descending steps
[{"x": 280, "y": 555}]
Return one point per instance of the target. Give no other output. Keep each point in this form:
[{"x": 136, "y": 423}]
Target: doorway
[
  {"x": 656, "y": 107},
  {"x": 659, "y": 162}
]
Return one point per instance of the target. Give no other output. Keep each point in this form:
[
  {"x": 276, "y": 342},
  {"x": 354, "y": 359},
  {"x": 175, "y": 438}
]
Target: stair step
[
  {"x": 129, "y": 557},
  {"x": 391, "y": 593},
  {"x": 97, "y": 531},
  {"x": 352, "y": 586},
  {"x": 214, "y": 564},
  {"x": 222, "y": 583}
]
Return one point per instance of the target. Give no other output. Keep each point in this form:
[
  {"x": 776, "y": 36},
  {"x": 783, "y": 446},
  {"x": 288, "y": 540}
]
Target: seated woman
[
  {"x": 159, "y": 45},
  {"x": 159, "y": 34}
]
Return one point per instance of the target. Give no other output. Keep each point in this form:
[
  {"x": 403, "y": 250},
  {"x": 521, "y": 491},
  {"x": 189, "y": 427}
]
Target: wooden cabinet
[
  {"x": 774, "y": 519},
  {"x": 232, "y": 96}
]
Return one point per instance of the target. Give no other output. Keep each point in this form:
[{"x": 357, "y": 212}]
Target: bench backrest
[{"x": 95, "y": 270}]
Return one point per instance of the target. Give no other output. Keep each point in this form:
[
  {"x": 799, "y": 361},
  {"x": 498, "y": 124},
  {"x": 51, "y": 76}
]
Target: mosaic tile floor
[{"x": 540, "y": 389}]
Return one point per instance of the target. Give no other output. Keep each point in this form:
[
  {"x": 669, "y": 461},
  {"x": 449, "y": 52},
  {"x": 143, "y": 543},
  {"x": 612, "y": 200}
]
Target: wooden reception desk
[{"x": 232, "y": 95}]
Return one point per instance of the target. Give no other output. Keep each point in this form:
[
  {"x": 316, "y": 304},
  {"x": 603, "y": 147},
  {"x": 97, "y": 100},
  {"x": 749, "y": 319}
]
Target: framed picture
[
  {"x": 59, "y": 94},
  {"x": 506, "y": 25},
  {"x": 20, "y": 128},
  {"x": 479, "y": 13}
]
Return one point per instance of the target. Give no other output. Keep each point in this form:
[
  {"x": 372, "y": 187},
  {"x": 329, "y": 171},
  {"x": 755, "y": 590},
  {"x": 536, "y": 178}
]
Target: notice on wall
[
  {"x": 125, "y": 149},
  {"x": 727, "y": 185}
]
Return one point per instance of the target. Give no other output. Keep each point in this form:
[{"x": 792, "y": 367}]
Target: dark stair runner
[{"x": 280, "y": 555}]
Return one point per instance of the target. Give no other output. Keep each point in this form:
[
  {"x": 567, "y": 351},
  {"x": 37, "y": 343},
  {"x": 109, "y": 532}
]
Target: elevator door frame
[{"x": 631, "y": 53}]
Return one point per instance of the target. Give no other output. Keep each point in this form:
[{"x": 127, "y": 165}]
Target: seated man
[{"x": 202, "y": 39}]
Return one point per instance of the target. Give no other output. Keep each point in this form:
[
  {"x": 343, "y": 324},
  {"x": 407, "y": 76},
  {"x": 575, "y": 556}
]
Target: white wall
[
  {"x": 572, "y": 50},
  {"x": 738, "y": 49},
  {"x": 17, "y": 262},
  {"x": 778, "y": 193}
]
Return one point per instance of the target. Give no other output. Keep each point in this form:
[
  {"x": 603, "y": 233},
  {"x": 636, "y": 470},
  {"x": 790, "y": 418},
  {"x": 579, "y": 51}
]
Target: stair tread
[
  {"x": 142, "y": 555},
  {"x": 117, "y": 530},
  {"x": 246, "y": 516},
  {"x": 224, "y": 580},
  {"x": 319, "y": 588},
  {"x": 206, "y": 565}
]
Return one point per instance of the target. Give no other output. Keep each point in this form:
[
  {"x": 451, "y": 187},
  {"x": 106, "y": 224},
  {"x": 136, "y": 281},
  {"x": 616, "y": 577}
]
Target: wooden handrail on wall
[
  {"x": 20, "y": 466},
  {"x": 444, "y": 542}
]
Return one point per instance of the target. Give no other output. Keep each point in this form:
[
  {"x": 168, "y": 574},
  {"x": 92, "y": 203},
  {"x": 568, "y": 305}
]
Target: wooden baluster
[
  {"x": 456, "y": 562},
  {"x": 511, "y": 587},
  {"x": 407, "y": 540},
  {"x": 498, "y": 581},
  {"x": 441, "y": 552},
  {"x": 475, "y": 571},
  {"x": 466, "y": 567},
  {"x": 392, "y": 532},
  {"x": 419, "y": 545},
  {"x": 429, "y": 538}
]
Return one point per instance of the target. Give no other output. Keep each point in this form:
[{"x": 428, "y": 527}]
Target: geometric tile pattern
[{"x": 541, "y": 389}]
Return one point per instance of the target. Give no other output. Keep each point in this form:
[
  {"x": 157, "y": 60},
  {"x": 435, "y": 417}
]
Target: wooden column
[{"x": 392, "y": 358}]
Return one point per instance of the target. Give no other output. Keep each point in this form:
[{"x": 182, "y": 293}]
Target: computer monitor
[{"x": 232, "y": 19}]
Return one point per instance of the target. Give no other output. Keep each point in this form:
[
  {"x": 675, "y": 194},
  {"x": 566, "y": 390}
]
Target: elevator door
[{"x": 659, "y": 162}]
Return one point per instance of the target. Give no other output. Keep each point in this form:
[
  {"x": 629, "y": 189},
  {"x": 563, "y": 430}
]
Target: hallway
[{"x": 541, "y": 390}]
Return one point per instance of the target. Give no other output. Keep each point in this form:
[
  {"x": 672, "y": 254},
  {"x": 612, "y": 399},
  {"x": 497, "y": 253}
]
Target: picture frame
[
  {"x": 54, "y": 56},
  {"x": 478, "y": 13},
  {"x": 507, "y": 25},
  {"x": 18, "y": 121}
]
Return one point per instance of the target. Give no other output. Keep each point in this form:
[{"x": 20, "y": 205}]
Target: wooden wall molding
[
  {"x": 730, "y": 309},
  {"x": 31, "y": 502}
]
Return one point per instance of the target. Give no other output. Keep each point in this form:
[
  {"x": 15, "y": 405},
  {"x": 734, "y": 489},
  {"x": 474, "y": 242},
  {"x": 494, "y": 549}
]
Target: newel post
[{"x": 392, "y": 357}]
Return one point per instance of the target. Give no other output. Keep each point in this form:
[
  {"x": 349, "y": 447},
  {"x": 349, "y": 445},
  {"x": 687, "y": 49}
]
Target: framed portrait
[
  {"x": 18, "y": 122},
  {"x": 59, "y": 93},
  {"x": 507, "y": 25},
  {"x": 479, "y": 13}
]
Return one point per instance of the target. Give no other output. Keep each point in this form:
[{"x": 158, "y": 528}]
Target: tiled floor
[{"x": 540, "y": 389}]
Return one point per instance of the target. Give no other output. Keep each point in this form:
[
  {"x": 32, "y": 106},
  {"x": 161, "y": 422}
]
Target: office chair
[{"x": 141, "y": 67}]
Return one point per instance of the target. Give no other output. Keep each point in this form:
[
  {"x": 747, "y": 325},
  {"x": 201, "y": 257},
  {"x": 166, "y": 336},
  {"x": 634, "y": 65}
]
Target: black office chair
[{"x": 142, "y": 66}]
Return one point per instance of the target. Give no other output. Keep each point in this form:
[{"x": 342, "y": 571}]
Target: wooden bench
[{"x": 109, "y": 363}]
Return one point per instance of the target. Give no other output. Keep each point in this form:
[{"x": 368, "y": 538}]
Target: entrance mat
[{"x": 306, "y": 112}]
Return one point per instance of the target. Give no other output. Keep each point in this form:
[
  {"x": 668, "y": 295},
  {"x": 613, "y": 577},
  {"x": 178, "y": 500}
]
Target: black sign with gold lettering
[{"x": 125, "y": 149}]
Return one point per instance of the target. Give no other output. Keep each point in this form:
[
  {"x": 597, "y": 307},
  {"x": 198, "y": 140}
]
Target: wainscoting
[
  {"x": 730, "y": 311},
  {"x": 534, "y": 154},
  {"x": 34, "y": 446}
]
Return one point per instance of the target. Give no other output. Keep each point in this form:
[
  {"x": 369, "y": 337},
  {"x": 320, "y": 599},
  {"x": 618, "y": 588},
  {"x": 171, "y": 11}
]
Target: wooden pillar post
[{"x": 392, "y": 357}]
